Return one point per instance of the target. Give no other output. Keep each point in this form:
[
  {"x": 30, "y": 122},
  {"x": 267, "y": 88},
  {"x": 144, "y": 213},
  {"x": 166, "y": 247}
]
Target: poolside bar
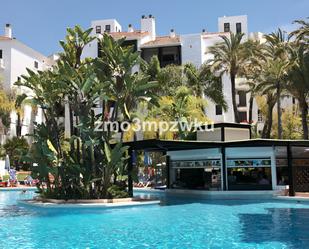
[{"x": 218, "y": 162}]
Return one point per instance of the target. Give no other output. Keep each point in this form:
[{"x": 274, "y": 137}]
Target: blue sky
[{"x": 41, "y": 24}]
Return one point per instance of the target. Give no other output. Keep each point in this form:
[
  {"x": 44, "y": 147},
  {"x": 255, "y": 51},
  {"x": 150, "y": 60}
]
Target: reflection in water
[{"x": 289, "y": 225}]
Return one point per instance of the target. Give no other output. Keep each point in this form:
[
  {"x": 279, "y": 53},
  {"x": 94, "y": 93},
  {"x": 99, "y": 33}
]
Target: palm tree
[
  {"x": 302, "y": 33},
  {"x": 229, "y": 58},
  {"x": 204, "y": 83},
  {"x": 298, "y": 82},
  {"x": 6, "y": 106},
  {"x": 122, "y": 87},
  {"x": 271, "y": 101},
  {"x": 276, "y": 50},
  {"x": 151, "y": 69},
  {"x": 182, "y": 107},
  {"x": 252, "y": 70}
]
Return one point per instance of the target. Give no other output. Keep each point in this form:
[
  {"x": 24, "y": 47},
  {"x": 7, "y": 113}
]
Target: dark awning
[{"x": 168, "y": 145}]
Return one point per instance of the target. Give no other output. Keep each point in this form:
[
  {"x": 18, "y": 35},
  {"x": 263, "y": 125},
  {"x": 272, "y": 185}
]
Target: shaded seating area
[{"x": 249, "y": 164}]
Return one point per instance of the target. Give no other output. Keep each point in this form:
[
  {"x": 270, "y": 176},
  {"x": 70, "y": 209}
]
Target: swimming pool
[{"x": 180, "y": 223}]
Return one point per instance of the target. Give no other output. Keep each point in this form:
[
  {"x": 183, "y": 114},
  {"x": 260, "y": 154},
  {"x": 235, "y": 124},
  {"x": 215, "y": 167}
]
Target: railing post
[
  {"x": 168, "y": 171},
  {"x": 223, "y": 167}
]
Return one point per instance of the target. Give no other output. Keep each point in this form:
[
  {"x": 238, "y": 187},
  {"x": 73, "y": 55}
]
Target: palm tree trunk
[
  {"x": 250, "y": 108},
  {"x": 269, "y": 119},
  {"x": 279, "y": 111},
  {"x": 236, "y": 114},
  {"x": 18, "y": 126},
  {"x": 304, "y": 112},
  {"x": 264, "y": 131},
  {"x": 270, "y": 122}
]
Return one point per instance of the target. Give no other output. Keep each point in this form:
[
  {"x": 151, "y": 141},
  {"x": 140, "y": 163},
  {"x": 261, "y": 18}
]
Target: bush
[
  {"x": 116, "y": 191},
  {"x": 16, "y": 148}
]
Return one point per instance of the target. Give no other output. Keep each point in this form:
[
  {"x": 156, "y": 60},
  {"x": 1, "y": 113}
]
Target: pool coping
[
  {"x": 17, "y": 188},
  {"x": 292, "y": 198},
  {"x": 40, "y": 204}
]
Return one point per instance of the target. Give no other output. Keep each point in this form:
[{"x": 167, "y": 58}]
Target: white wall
[
  {"x": 191, "y": 47},
  {"x": 5, "y": 74},
  {"x": 232, "y": 134},
  {"x": 115, "y": 26},
  {"x": 214, "y": 135},
  {"x": 232, "y": 20},
  {"x": 91, "y": 50},
  {"x": 149, "y": 24},
  {"x": 17, "y": 58}
]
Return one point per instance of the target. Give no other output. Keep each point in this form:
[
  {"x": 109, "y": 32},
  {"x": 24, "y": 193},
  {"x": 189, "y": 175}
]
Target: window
[
  {"x": 0, "y": 53},
  {"x": 168, "y": 57},
  {"x": 282, "y": 165},
  {"x": 242, "y": 116},
  {"x": 260, "y": 116},
  {"x": 293, "y": 99},
  {"x": 108, "y": 28},
  {"x": 198, "y": 174},
  {"x": 242, "y": 98},
  {"x": 130, "y": 43},
  {"x": 226, "y": 27},
  {"x": 36, "y": 64},
  {"x": 98, "y": 29},
  {"x": 249, "y": 174},
  {"x": 218, "y": 110},
  {"x": 238, "y": 28}
]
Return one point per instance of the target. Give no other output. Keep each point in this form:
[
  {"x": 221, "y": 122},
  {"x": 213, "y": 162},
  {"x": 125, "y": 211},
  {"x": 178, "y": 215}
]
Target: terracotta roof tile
[
  {"x": 163, "y": 41},
  {"x": 4, "y": 38}
]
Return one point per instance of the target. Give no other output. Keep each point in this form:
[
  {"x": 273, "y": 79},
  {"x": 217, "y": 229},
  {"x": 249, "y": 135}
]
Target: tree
[
  {"x": 276, "y": 50},
  {"x": 302, "y": 33},
  {"x": 270, "y": 101},
  {"x": 252, "y": 70},
  {"x": 204, "y": 83},
  {"x": 152, "y": 69},
  {"x": 298, "y": 81},
  {"x": 182, "y": 107},
  {"x": 6, "y": 106},
  {"x": 16, "y": 148},
  {"x": 292, "y": 128},
  {"x": 169, "y": 78},
  {"x": 229, "y": 58},
  {"x": 84, "y": 169}
]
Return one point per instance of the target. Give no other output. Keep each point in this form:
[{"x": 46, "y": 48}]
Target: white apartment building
[
  {"x": 15, "y": 58},
  {"x": 180, "y": 49}
]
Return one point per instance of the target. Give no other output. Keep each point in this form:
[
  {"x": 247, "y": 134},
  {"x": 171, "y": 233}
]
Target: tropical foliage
[
  {"x": 100, "y": 90},
  {"x": 273, "y": 69},
  {"x": 73, "y": 159},
  {"x": 17, "y": 148}
]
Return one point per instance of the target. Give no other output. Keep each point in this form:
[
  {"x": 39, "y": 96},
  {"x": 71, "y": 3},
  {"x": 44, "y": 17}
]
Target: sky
[{"x": 41, "y": 24}]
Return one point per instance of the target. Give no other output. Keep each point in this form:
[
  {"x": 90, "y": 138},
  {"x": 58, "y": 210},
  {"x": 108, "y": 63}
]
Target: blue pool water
[{"x": 179, "y": 223}]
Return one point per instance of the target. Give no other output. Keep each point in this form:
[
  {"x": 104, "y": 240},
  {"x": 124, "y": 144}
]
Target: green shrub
[
  {"x": 116, "y": 191},
  {"x": 16, "y": 148}
]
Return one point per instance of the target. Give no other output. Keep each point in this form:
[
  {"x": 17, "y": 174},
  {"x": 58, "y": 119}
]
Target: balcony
[{"x": 2, "y": 64}]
